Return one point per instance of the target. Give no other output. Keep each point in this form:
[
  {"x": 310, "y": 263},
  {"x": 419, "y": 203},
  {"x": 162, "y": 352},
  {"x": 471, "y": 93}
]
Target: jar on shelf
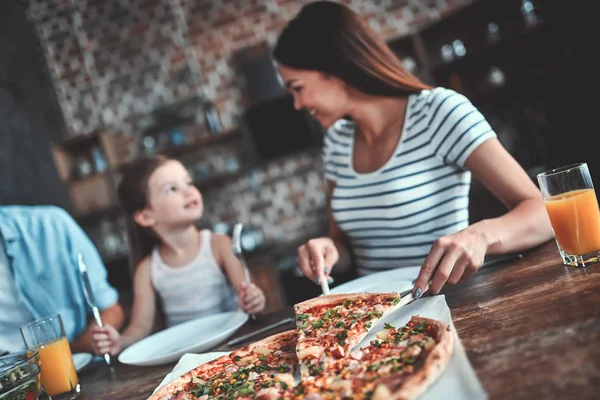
[{"x": 211, "y": 116}]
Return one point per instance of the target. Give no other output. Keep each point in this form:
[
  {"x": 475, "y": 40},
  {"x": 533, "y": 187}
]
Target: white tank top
[{"x": 193, "y": 290}]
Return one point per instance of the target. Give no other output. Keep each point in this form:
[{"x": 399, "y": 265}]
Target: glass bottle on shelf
[
  {"x": 492, "y": 32},
  {"x": 99, "y": 161},
  {"x": 528, "y": 12},
  {"x": 211, "y": 116},
  {"x": 459, "y": 48}
]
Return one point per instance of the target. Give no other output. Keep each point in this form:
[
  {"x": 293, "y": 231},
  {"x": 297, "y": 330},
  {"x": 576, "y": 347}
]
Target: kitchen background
[{"x": 88, "y": 85}]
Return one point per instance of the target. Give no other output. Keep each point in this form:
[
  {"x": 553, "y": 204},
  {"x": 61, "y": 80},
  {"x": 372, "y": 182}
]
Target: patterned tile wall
[{"x": 114, "y": 61}]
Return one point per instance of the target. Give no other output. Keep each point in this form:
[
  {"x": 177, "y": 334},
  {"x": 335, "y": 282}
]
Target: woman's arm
[
  {"x": 526, "y": 224},
  {"x": 456, "y": 257}
]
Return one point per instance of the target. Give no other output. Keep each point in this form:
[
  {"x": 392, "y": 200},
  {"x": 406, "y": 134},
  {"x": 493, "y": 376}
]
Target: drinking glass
[
  {"x": 59, "y": 377},
  {"x": 572, "y": 206}
]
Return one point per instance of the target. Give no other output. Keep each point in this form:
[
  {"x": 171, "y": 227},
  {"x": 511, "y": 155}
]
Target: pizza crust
[
  {"x": 167, "y": 391},
  {"x": 273, "y": 343},
  {"x": 331, "y": 300}
]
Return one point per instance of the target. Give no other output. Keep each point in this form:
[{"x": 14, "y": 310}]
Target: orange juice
[
  {"x": 58, "y": 371},
  {"x": 575, "y": 219}
]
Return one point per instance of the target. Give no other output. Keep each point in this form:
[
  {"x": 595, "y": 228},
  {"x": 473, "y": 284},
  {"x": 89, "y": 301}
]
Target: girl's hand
[
  {"x": 252, "y": 299},
  {"x": 316, "y": 258},
  {"x": 106, "y": 340}
]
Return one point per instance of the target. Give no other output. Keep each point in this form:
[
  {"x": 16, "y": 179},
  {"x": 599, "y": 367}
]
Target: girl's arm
[
  {"x": 144, "y": 306},
  {"x": 252, "y": 299},
  {"x": 233, "y": 269},
  {"x": 113, "y": 316},
  {"x": 107, "y": 339}
]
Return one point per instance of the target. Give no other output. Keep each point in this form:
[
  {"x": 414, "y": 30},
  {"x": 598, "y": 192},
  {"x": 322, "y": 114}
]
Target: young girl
[{"x": 195, "y": 273}]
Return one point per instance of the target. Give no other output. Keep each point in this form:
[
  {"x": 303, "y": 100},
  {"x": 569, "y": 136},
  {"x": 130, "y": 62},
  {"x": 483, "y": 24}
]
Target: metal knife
[
  {"x": 89, "y": 297},
  {"x": 236, "y": 244},
  {"x": 250, "y": 335}
]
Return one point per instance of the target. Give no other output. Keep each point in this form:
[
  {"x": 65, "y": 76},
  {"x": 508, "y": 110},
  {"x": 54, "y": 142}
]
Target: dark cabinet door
[{"x": 30, "y": 118}]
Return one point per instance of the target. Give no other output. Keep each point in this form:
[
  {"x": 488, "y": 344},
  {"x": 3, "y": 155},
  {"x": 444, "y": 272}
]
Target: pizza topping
[
  {"x": 318, "y": 323},
  {"x": 338, "y": 351},
  {"x": 357, "y": 355},
  {"x": 262, "y": 350},
  {"x": 302, "y": 317},
  {"x": 314, "y": 351},
  {"x": 384, "y": 334}
]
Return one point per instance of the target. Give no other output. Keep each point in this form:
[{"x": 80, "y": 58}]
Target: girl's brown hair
[
  {"x": 132, "y": 192},
  {"x": 331, "y": 38}
]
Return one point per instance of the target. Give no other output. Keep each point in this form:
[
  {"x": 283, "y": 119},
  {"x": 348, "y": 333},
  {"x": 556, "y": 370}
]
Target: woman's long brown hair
[
  {"x": 331, "y": 38},
  {"x": 133, "y": 196}
]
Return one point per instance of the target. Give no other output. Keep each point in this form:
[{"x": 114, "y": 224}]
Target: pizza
[
  {"x": 261, "y": 370},
  {"x": 329, "y": 326},
  {"x": 399, "y": 363}
]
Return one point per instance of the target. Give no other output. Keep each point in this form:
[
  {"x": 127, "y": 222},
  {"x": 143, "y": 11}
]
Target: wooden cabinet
[
  {"x": 91, "y": 166},
  {"x": 512, "y": 65}
]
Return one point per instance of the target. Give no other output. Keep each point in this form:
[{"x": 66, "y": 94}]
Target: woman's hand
[
  {"x": 316, "y": 258},
  {"x": 252, "y": 299},
  {"x": 106, "y": 340},
  {"x": 452, "y": 259}
]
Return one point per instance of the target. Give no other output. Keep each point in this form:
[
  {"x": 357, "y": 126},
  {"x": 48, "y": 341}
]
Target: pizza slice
[
  {"x": 196, "y": 383},
  {"x": 270, "y": 364},
  {"x": 329, "y": 326},
  {"x": 262, "y": 370},
  {"x": 401, "y": 363}
]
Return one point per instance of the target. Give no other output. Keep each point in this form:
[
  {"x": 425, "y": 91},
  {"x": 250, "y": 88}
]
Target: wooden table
[{"x": 531, "y": 329}]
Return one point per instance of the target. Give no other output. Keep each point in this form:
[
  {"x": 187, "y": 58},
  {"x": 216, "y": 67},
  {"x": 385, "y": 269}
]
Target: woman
[{"x": 398, "y": 159}]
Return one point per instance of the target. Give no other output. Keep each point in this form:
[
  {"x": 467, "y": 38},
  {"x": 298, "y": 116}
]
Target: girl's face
[
  {"x": 325, "y": 97},
  {"x": 173, "y": 200}
]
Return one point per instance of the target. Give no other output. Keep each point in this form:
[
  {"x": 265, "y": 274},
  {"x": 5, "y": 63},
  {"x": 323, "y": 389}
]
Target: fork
[{"x": 236, "y": 244}]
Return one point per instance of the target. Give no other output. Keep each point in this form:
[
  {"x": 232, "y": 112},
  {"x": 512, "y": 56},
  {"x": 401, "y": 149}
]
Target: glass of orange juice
[
  {"x": 59, "y": 377},
  {"x": 572, "y": 206}
]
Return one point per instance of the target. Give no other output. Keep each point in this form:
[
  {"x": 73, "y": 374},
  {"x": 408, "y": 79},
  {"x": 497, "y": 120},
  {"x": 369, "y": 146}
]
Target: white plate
[
  {"x": 81, "y": 360},
  {"x": 395, "y": 280},
  {"x": 189, "y": 337}
]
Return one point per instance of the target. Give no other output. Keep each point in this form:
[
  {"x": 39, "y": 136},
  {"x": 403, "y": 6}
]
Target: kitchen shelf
[
  {"x": 476, "y": 53},
  {"x": 93, "y": 216},
  {"x": 175, "y": 151}
]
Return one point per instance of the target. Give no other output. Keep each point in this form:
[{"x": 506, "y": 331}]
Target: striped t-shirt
[{"x": 393, "y": 215}]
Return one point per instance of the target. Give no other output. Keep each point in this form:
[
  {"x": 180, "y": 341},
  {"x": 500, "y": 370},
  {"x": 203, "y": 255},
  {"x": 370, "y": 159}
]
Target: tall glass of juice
[
  {"x": 572, "y": 207},
  {"x": 59, "y": 377}
]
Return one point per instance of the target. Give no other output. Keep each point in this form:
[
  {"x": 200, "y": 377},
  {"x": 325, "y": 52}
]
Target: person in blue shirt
[{"x": 39, "y": 276}]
